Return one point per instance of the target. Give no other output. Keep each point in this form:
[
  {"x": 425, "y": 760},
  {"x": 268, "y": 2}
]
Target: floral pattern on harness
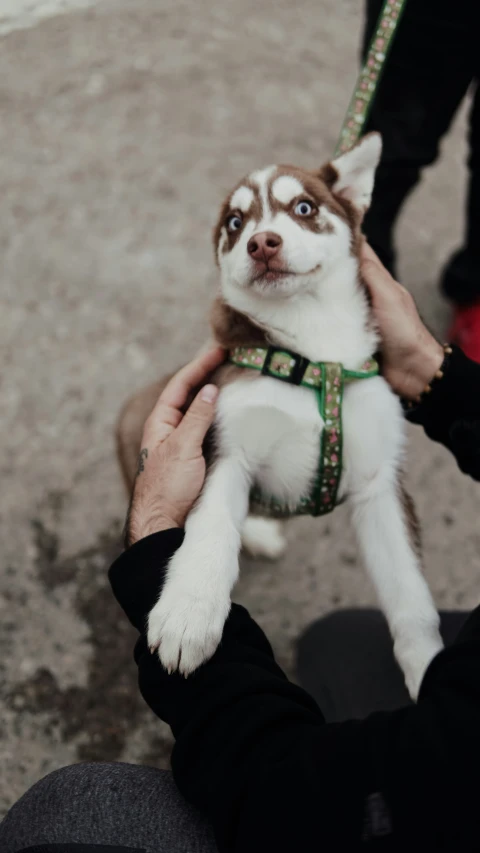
[{"x": 326, "y": 379}]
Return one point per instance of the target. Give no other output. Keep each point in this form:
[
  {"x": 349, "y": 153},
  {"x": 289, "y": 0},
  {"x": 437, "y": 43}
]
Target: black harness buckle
[{"x": 298, "y": 370}]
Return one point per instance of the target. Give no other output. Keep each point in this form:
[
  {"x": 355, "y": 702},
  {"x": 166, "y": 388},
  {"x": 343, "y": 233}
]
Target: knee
[
  {"x": 34, "y": 817},
  {"x": 57, "y": 784},
  {"x": 78, "y": 783},
  {"x": 55, "y": 808},
  {"x": 53, "y": 793}
]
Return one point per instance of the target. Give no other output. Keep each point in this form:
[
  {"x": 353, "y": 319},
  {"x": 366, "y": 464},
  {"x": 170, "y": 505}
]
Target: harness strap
[
  {"x": 326, "y": 380},
  {"x": 291, "y": 367}
]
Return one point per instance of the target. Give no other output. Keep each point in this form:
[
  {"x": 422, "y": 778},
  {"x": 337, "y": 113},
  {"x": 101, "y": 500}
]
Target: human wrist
[
  {"x": 139, "y": 526},
  {"x": 417, "y": 370},
  {"x": 427, "y": 363}
]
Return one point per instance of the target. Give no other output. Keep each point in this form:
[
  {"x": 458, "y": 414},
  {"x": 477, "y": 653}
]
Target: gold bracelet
[{"x": 447, "y": 349}]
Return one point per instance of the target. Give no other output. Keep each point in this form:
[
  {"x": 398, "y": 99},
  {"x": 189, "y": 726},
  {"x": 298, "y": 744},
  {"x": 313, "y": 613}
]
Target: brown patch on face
[
  {"x": 313, "y": 191},
  {"x": 318, "y": 188},
  {"x": 324, "y": 227},
  {"x": 329, "y": 175},
  {"x": 310, "y": 222},
  {"x": 313, "y": 223},
  {"x": 254, "y": 212},
  {"x": 232, "y": 237},
  {"x": 233, "y": 329}
]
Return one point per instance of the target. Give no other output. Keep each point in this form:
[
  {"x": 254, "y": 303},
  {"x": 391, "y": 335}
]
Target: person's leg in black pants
[
  {"x": 125, "y": 808},
  {"x": 427, "y": 73},
  {"x": 346, "y": 662}
]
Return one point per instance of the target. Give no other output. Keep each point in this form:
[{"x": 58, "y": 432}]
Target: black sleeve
[
  {"x": 450, "y": 414},
  {"x": 254, "y": 753}
]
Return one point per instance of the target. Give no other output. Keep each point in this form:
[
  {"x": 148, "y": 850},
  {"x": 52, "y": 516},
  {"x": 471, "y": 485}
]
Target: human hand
[
  {"x": 171, "y": 466},
  {"x": 411, "y": 355}
]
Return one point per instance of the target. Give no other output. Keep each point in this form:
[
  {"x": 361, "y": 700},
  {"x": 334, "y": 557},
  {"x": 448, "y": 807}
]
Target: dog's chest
[{"x": 276, "y": 428}]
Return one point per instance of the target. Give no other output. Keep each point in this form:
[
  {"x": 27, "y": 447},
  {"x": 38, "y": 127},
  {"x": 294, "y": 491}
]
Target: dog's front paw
[
  {"x": 186, "y": 628},
  {"x": 414, "y": 654}
]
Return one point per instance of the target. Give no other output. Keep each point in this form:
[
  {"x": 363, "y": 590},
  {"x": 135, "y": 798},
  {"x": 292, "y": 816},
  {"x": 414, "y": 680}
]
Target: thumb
[
  {"x": 199, "y": 417},
  {"x": 376, "y": 278}
]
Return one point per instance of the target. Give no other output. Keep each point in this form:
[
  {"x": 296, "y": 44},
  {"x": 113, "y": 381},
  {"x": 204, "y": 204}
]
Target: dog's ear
[{"x": 351, "y": 176}]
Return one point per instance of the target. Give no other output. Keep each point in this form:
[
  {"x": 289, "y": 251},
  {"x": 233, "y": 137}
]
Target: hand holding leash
[
  {"x": 171, "y": 467},
  {"x": 411, "y": 355}
]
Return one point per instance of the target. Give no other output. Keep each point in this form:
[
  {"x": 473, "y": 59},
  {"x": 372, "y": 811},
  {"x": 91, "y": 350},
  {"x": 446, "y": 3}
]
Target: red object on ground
[{"x": 465, "y": 330}]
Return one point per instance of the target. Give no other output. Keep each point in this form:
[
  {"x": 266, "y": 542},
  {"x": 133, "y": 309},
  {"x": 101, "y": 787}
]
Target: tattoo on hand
[{"x": 141, "y": 460}]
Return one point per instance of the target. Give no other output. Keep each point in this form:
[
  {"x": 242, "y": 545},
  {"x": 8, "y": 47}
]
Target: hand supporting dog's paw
[{"x": 186, "y": 627}]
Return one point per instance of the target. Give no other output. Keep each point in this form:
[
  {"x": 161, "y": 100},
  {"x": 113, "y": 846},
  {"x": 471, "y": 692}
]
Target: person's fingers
[
  {"x": 190, "y": 377},
  {"x": 377, "y": 279},
  {"x": 166, "y": 415},
  {"x": 198, "y": 419},
  {"x": 162, "y": 421},
  {"x": 160, "y": 425},
  {"x": 368, "y": 254}
]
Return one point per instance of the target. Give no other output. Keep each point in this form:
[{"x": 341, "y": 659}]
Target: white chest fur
[{"x": 275, "y": 429}]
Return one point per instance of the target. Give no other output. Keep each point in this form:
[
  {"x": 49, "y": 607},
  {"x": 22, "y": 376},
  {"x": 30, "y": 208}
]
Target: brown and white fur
[{"x": 287, "y": 246}]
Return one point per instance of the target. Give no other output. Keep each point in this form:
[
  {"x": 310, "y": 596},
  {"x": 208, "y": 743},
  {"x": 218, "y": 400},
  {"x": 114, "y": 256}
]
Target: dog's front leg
[
  {"x": 395, "y": 569},
  {"x": 380, "y": 512},
  {"x": 187, "y": 621}
]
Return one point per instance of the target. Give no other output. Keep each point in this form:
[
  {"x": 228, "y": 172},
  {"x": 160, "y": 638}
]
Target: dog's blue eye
[
  {"x": 234, "y": 223},
  {"x": 303, "y": 208}
]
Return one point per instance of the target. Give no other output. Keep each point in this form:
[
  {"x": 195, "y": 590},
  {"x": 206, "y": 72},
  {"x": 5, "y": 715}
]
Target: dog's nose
[{"x": 263, "y": 246}]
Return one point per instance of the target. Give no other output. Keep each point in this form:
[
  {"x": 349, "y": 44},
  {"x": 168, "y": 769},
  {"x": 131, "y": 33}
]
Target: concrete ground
[{"x": 121, "y": 127}]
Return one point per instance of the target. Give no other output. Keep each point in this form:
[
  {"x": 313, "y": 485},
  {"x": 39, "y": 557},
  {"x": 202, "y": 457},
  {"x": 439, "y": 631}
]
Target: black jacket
[{"x": 252, "y": 749}]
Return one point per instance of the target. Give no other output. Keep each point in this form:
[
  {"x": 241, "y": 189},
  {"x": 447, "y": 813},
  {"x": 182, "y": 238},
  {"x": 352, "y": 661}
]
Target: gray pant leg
[{"x": 116, "y": 804}]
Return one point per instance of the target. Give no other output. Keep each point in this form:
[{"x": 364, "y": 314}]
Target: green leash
[
  {"x": 327, "y": 379},
  {"x": 369, "y": 77}
]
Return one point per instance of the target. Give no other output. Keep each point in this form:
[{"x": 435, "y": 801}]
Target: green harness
[{"x": 326, "y": 380}]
